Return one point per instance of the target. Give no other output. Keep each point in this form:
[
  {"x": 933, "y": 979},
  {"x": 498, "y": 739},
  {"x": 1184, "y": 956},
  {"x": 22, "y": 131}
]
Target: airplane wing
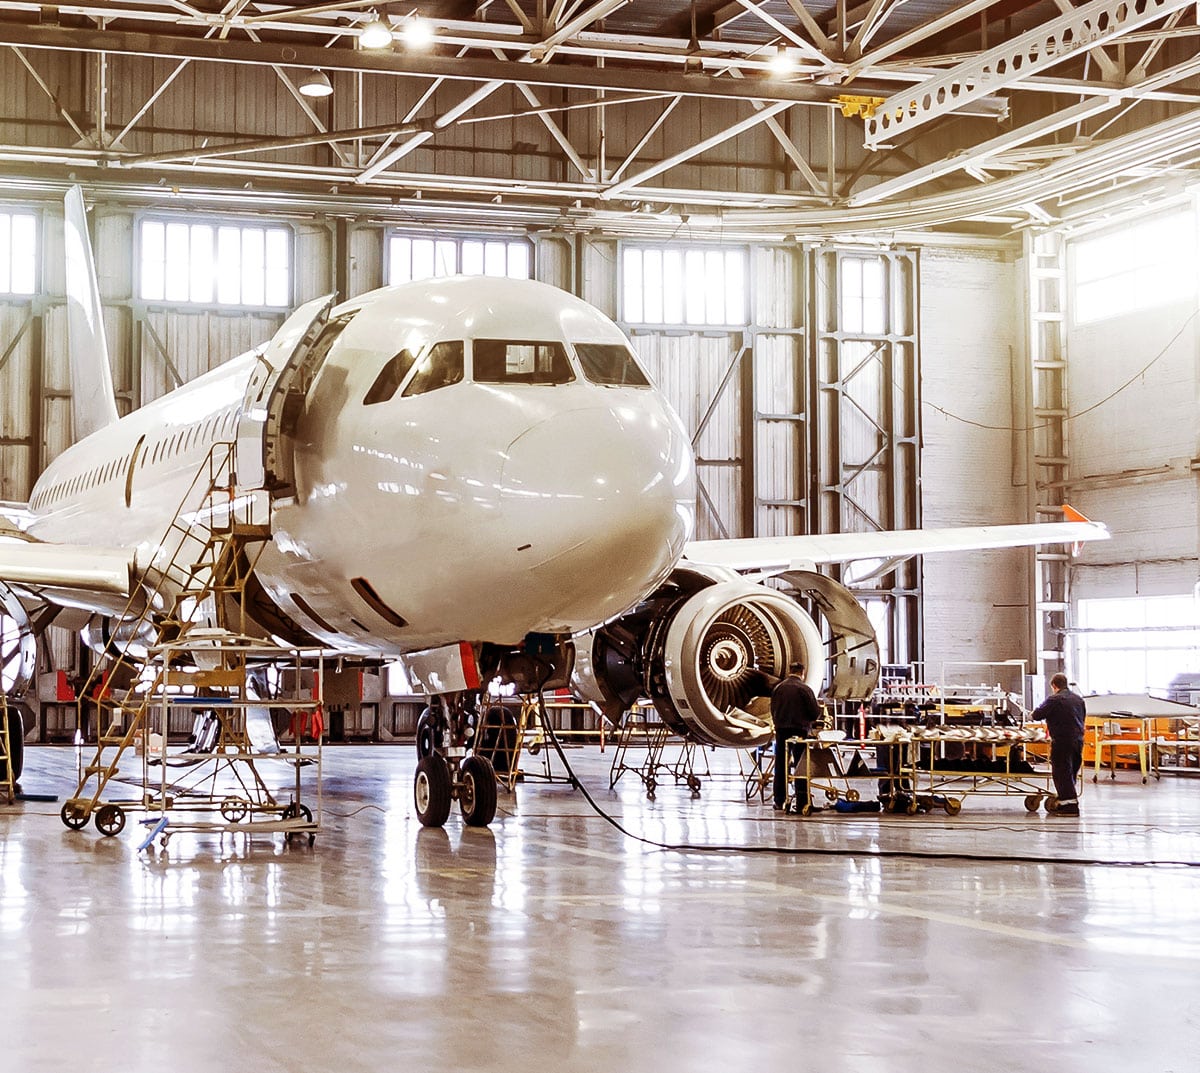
[
  {"x": 772, "y": 555},
  {"x": 34, "y": 567}
]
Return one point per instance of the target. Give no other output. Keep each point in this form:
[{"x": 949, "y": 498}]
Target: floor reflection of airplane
[{"x": 470, "y": 474}]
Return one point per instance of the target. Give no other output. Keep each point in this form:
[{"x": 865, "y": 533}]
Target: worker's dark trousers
[
  {"x": 784, "y": 764},
  {"x": 1066, "y": 757}
]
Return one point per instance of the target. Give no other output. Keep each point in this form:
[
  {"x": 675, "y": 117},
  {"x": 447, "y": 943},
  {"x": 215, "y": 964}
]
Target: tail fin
[{"x": 93, "y": 404}]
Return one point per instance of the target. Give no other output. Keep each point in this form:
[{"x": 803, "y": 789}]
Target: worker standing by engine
[
  {"x": 1064, "y": 713},
  {"x": 795, "y": 713}
]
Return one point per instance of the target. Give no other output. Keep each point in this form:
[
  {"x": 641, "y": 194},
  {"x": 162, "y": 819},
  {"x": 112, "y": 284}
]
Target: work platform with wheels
[{"x": 638, "y": 733}]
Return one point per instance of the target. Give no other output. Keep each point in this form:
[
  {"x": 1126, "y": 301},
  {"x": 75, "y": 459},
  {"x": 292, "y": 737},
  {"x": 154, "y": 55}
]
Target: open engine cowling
[
  {"x": 699, "y": 649},
  {"x": 18, "y": 646}
]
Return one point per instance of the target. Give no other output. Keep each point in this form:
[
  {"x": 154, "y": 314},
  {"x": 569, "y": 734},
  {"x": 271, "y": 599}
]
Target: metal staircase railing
[{"x": 206, "y": 546}]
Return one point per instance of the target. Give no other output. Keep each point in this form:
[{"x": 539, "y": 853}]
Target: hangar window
[
  {"x": 440, "y": 367},
  {"x": 215, "y": 264},
  {"x": 508, "y": 361},
  {"x": 1136, "y": 644},
  {"x": 1143, "y": 265},
  {"x": 18, "y": 252},
  {"x": 863, "y": 295},
  {"x": 411, "y": 258},
  {"x": 611, "y": 364},
  {"x": 684, "y": 285}
]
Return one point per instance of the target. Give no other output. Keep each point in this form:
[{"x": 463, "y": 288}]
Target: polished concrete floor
[{"x": 552, "y": 941}]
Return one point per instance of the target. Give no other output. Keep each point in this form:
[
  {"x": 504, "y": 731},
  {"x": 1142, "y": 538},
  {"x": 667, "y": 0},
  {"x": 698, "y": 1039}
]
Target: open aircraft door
[{"x": 275, "y": 397}]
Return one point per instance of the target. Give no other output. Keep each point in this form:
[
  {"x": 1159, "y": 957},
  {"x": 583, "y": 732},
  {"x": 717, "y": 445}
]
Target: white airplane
[{"x": 471, "y": 475}]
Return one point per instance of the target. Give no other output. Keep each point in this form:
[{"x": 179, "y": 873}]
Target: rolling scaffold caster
[
  {"x": 953, "y": 806},
  {"x": 235, "y": 809},
  {"x": 1033, "y": 802},
  {"x": 693, "y": 784},
  {"x": 651, "y": 786},
  {"x": 297, "y": 811},
  {"x": 432, "y": 791},
  {"x": 74, "y": 817},
  {"x": 1052, "y": 803},
  {"x": 110, "y": 820}
]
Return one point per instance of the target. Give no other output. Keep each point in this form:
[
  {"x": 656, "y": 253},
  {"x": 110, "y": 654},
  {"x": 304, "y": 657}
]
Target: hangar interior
[{"x": 896, "y": 264}]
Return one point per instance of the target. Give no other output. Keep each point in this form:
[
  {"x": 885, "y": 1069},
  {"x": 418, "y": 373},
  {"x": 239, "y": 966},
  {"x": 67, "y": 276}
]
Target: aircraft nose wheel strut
[{"x": 472, "y": 784}]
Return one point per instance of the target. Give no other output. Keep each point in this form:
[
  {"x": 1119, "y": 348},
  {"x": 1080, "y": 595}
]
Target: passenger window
[
  {"x": 611, "y": 364},
  {"x": 390, "y": 377},
  {"x": 440, "y": 367},
  {"x": 505, "y": 361}
]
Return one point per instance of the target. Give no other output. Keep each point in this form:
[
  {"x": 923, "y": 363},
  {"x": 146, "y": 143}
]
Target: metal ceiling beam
[
  {"x": 982, "y": 154},
  {"x": 1008, "y": 63},
  {"x": 809, "y": 50},
  {"x": 915, "y": 36},
  {"x": 617, "y": 189},
  {"x": 441, "y": 123},
  {"x": 544, "y": 49},
  {"x": 469, "y": 69}
]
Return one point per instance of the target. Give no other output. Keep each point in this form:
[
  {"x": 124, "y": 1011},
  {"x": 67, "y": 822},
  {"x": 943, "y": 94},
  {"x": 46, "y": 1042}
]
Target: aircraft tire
[
  {"x": 426, "y": 735},
  {"x": 477, "y": 791},
  {"x": 16, "y": 742},
  {"x": 432, "y": 791}
]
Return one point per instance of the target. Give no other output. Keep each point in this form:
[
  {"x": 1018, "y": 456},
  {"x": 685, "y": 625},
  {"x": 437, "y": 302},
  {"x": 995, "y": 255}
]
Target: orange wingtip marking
[{"x": 1072, "y": 515}]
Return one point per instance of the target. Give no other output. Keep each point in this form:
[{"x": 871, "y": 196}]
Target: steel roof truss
[{"x": 1052, "y": 42}]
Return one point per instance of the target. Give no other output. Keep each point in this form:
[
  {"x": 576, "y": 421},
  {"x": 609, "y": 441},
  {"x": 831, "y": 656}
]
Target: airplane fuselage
[{"x": 482, "y": 453}]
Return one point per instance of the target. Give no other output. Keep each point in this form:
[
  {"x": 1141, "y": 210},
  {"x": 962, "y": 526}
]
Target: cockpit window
[
  {"x": 390, "y": 377},
  {"x": 439, "y": 367},
  {"x": 509, "y": 361},
  {"x": 612, "y": 364}
]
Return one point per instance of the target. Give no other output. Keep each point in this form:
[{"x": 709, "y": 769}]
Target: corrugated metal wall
[{"x": 976, "y": 606}]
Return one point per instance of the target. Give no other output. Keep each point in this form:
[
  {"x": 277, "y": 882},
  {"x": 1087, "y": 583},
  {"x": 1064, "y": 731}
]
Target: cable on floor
[{"x": 829, "y": 851}]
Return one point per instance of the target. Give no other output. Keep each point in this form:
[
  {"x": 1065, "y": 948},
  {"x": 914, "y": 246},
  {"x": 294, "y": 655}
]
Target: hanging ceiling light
[
  {"x": 316, "y": 84},
  {"x": 783, "y": 62},
  {"x": 375, "y": 34},
  {"x": 418, "y": 32}
]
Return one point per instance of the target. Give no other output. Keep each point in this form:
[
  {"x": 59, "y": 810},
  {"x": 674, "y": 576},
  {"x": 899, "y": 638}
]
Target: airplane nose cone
[{"x": 599, "y": 502}]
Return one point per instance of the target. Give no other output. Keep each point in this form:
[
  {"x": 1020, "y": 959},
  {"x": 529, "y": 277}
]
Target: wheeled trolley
[{"x": 950, "y": 764}]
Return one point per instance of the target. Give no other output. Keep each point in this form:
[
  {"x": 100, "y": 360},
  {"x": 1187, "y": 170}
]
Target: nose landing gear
[{"x": 444, "y": 775}]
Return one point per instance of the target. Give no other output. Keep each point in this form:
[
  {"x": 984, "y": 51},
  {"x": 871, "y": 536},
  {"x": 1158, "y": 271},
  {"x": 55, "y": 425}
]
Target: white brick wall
[{"x": 976, "y": 606}]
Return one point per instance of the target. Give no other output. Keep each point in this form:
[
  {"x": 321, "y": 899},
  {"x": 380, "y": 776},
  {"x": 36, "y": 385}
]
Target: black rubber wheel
[
  {"x": 953, "y": 806},
  {"x": 234, "y": 809},
  {"x": 16, "y": 742},
  {"x": 426, "y": 735},
  {"x": 431, "y": 791},
  {"x": 296, "y": 811},
  {"x": 110, "y": 820},
  {"x": 73, "y": 816},
  {"x": 1032, "y": 802},
  {"x": 1052, "y": 803},
  {"x": 477, "y": 791}
]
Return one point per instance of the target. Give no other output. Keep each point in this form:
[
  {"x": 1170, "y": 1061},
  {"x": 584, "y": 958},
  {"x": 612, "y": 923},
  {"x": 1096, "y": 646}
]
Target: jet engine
[
  {"x": 701, "y": 649},
  {"x": 18, "y": 646}
]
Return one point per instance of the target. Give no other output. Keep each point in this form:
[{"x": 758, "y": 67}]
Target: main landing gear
[{"x": 445, "y": 774}]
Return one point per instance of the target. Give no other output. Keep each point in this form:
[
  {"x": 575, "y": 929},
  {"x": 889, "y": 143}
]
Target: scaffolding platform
[{"x": 637, "y": 733}]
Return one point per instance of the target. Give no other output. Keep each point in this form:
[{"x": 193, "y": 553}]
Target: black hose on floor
[{"x": 827, "y": 851}]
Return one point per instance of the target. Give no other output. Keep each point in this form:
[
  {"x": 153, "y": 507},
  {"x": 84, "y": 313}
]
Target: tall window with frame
[
  {"x": 221, "y": 264},
  {"x": 1136, "y": 644},
  {"x": 18, "y": 252},
  {"x": 413, "y": 257},
  {"x": 684, "y": 285}
]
